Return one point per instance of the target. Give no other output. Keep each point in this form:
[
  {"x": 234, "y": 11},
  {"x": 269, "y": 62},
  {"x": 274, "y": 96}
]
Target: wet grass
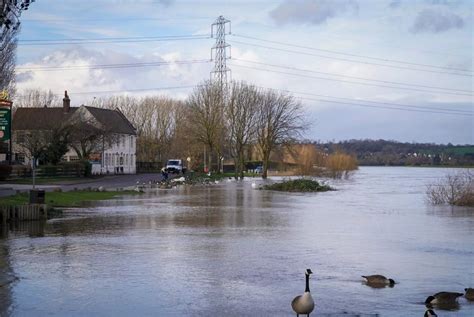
[
  {"x": 51, "y": 180},
  {"x": 65, "y": 199},
  {"x": 299, "y": 185}
]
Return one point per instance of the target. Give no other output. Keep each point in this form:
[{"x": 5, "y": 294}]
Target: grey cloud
[
  {"x": 22, "y": 77},
  {"x": 311, "y": 11},
  {"x": 436, "y": 21},
  {"x": 395, "y": 4}
]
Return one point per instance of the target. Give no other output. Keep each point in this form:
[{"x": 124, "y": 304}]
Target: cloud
[
  {"x": 395, "y": 4},
  {"x": 77, "y": 76},
  {"x": 436, "y": 21},
  {"x": 311, "y": 11}
]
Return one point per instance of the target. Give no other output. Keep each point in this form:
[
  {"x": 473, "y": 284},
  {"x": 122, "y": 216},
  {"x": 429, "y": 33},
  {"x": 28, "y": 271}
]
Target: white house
[{"x": 114, "y": 154}]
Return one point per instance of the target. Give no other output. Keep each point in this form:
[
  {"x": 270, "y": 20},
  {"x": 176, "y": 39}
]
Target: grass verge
[{"x": 65, "y": 199}]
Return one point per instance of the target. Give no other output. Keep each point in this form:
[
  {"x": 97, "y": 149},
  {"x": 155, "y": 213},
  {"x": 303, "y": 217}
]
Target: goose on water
[
  {"x": 469, "y": 293},
  {"x": 378, "y": 279},
  {"x": 430, "y": 313},
  {"x": 443, "y": 298},
  {"x": 304, "y": 304}
]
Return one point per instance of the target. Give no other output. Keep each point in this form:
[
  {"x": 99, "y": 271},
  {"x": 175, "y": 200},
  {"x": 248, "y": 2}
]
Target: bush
[
  {"x": 340, "y": 165},
  {"x": 5, "y": 171},
  {"x": 298, "y": 185},
  {"x": 457, "y": 190}
]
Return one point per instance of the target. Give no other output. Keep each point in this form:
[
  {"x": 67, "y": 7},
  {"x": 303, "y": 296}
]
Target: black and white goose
[
  {"x": 304, "y": 304},
  {"x": 378, "y": 279},
  {"x": 443, "y": 298}
]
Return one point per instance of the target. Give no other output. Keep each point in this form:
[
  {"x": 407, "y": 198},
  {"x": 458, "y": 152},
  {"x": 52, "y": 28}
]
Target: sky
[{"x": 363, "y": 69}]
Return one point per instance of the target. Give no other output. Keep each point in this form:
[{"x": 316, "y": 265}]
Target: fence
[{"x": 22, "y": 213}]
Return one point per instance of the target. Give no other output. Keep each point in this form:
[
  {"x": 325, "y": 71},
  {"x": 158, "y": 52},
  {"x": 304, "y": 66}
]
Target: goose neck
[{"x": 307, "y": 283}]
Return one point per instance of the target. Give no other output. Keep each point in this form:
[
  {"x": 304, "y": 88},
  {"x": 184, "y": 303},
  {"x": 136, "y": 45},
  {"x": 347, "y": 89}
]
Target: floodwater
[{"x": 231, "y": 250}]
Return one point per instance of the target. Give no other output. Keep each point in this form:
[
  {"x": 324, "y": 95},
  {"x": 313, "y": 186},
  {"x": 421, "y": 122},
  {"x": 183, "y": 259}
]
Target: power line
[
  {"x": 115, "y": 38},
  {"x": 351, "y": 60},
  {"x": 125, "y": 90},
  {"x": 353, "y": 55},
  {"x": 111, "y": 40},
  {"x": 396, "y": 105},
  {"x": 353, "y": 77},
  {"x": 450, "y": 112},
  {"x": 117, "y": 19},
  {"x": 350, "y": 82},
  {"x": 385, "y": 107},
  {"x": 107, "y": 66}
]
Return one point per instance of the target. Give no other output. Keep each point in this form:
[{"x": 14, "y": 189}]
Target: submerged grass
[
  {"x": 299, "y": 185},
  {"x": 65, "y": 199}
]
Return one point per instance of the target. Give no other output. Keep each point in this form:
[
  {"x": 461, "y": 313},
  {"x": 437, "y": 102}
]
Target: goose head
[
  {"x": 429, "y": 299},
  {"x": 308, "y": 272}
]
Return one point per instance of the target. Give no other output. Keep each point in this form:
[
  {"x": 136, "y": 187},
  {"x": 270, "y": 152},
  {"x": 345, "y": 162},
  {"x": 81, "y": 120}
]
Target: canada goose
[
  {"x": 430, "y": 313},
  {"x": 469, "y": 293},
  {"x": 304, "y": 304},
  {"x": 254, "y": 185},
  {"x": 443, "y": 298},
  {"x": 378, "y": 280}
]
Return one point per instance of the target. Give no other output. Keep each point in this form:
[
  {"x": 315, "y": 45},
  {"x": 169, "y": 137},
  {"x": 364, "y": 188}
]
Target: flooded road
[{"x": 230, "y": 250}]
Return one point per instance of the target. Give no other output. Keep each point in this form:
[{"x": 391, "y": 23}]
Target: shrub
[
  {"x": 5, "y": 171},
  {"x": 456, "y": 189},
  {"x": 340, "y": 165},
  {"x": 299, "y": 185}
]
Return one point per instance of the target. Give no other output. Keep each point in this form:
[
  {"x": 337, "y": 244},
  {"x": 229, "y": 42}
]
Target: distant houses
[{"x": 104, "y": 137}]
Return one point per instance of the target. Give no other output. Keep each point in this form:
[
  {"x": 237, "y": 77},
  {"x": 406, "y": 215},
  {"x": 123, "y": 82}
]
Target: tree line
[{"x": 214, "y": 122}]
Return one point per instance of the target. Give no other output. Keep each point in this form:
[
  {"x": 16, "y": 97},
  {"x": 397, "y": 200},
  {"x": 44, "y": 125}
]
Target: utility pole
[{"x": 219, "y": 52}]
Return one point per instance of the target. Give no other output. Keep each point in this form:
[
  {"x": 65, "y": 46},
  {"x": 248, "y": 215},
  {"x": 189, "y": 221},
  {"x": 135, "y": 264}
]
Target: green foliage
[
  {"x": 299, "y": 185},
  {"x": 87, "y": 168}
]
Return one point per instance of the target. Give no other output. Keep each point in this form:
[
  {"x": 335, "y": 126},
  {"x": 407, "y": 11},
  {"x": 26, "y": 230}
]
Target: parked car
[
  {"x": 259, "y": 169},
  {"x": 175, "y": 166}
]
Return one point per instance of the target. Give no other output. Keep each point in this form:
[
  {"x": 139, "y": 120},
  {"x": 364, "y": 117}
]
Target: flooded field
[{"x": 231, "y": 250}]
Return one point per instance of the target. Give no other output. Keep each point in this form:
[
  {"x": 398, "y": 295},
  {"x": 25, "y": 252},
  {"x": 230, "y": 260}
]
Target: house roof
[
  {"x": 44, "y": 118},
  {"x": 39, "y": 118},
  {"x": 113, "y": 120}
]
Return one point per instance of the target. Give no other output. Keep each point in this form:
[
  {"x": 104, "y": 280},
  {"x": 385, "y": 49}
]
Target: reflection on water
[{"x": 230, "y": 250}]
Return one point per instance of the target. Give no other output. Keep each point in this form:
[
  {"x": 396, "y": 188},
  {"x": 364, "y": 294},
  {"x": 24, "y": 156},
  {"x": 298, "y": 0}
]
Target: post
[{"x": 34, "y": 171}]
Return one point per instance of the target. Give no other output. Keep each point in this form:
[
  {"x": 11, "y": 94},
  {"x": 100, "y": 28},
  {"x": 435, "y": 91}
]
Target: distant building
[{"x": 114, "y": 155}]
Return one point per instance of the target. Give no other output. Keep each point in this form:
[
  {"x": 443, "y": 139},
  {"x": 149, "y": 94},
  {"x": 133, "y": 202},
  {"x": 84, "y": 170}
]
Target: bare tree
[
  {"x": 205, "y": 117},
  {"x": 455, "y": 189},
  {"x": 280, "y": 120},
  {"x": 241, "y": 115},
  {"x": 7, "y": 62},
  {"x": 35, "y": 98}
]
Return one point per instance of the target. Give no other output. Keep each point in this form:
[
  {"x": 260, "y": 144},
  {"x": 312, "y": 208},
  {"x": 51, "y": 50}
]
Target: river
[{"x": 231, "y": 250}]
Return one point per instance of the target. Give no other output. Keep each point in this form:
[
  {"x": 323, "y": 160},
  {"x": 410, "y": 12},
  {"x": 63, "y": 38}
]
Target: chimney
[{"x": 66, "y": 102}]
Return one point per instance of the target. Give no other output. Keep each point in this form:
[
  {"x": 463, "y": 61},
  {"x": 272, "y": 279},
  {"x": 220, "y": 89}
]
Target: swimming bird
[
  {"x": 430, "y": 313},
  {"x": 254, "y": 185},
  {"x": 378, "y": 279},
  {"x": 304, "y": 304},
  {"x": 469, "y": 293},
  {"x": 443, "y": 298}
]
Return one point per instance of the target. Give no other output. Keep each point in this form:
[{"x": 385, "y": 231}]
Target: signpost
[{"x": 6, "y": 122}]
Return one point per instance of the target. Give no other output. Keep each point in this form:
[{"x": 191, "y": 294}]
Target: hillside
[{"x": 384, "y": 152}]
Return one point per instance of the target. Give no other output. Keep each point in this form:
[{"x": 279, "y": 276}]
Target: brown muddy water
[{"x": 231, "y": 250}]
